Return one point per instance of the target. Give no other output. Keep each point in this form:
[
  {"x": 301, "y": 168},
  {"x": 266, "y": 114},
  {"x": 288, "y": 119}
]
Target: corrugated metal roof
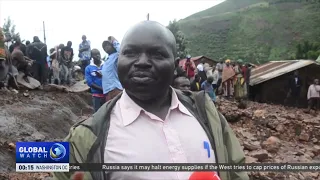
[
  {"x": 275, "y": 69},
  {"x": 181, "y": 62}
]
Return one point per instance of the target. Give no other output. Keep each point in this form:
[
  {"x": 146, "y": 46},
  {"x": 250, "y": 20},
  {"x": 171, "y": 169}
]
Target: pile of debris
[{"x": 275, "y": 134}]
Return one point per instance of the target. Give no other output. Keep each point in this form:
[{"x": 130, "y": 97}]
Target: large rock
[
  {"x": 272, "y": 144},
  {"x": 259, "y": 114},
  {"x": 251, "y": 146},
  {"x": 261, "y": 155}
]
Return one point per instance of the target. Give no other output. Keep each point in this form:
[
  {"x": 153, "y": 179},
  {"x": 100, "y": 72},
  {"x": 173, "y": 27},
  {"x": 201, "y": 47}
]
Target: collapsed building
[{"x": 269, "y": 82}]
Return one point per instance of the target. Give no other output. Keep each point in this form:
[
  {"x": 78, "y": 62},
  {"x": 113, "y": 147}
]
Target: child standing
[
  {"x": 207, "y": 87},
  {"x": 94, "y": 79}
]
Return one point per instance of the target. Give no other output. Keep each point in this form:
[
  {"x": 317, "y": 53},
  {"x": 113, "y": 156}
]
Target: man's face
[
  {"x": 84, "y": 38},
  {"x": 182, "y": 84},
  {"x": 146, "y": 62},
  {"x": 69, "y": 44},
  {"x": 96, "y": 55},
  {"x": 18, "y": 40},
  {"x": 108, "y": 48},
  {"x": 316, "y": 81}
]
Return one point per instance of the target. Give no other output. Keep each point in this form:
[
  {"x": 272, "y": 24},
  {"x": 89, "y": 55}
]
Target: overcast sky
[{"x": 69, "y": 20}]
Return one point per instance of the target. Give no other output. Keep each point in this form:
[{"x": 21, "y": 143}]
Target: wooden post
[
  {"x": 44, "y": 33},
  {"x": 148, "y": 17}
]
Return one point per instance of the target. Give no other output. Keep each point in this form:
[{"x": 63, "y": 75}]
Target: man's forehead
[{"x": 148, "y": 33}]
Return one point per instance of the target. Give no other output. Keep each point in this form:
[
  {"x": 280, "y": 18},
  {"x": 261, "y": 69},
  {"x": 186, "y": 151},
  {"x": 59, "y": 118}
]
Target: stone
[
  {"x": 250, "y": 146},
  {"x": 261, "y": 155},
  {"x": 280, "y": 128},
  {"x": 304, "y": 136},
  {"x": 272, "y": 144},
  {"x": 314, "y": 140},
  {"x": 250, "y": 159},
  {"x": 316, "y": 150},
  {"x": 38, "y": 136},
  {"x": 12, "y": 146},
  {"x": 259, "y": 114}
]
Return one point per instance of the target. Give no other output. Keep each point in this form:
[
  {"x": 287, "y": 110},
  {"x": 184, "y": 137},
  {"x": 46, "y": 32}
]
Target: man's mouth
[{"x": 142, "y": 78}]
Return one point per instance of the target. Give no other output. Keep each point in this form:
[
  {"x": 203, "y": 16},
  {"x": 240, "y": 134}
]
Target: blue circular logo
[{"x": 57, "y": 151}]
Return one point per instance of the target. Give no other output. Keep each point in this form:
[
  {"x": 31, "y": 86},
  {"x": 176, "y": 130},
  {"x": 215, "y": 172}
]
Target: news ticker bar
[{"x": 66, "y": 167}]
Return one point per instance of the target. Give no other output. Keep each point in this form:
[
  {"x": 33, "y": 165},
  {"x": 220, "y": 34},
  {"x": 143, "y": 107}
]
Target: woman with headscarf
[
  {"x": 227, "y": 79},
  {"x": 2, "y": 47},
  {"x": 239, "y": 83}
]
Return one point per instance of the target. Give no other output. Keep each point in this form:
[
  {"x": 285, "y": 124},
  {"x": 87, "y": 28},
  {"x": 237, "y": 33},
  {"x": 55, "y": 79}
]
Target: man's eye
[
  {"x": 158, "y": 54},
  {"x": 129, "y": 52}
]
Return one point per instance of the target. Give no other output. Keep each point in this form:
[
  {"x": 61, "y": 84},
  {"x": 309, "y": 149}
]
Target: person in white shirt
[
  {"x": 200, "y": 66},
  {"x": 216, "y": 77},
  {"x": 314, "y": 95},
  {"x": 215, "y": 74},
  {"x": 219, "y": 67},
  {"x": 201, "y": 72}
]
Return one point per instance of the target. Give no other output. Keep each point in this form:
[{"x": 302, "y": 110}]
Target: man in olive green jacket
[{"x": 145, "y": 67}]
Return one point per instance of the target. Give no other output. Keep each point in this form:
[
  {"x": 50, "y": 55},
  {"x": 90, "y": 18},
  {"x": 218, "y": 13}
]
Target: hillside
[{"x": 253, "y": 30}]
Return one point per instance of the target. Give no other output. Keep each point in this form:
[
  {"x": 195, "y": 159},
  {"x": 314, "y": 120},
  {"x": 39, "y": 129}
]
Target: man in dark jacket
[
  {"x": 66, "y": 63},
  {"x": 152, "y": 118},
  {"x": 19, "y": 46},
  {"x": 294, "y": 87},
  {"x": 38, "y": 52}
]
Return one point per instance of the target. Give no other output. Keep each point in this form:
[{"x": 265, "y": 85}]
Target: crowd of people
[
  {"x": 230, "y": 79},
  {"x": 33, "y": 60}
]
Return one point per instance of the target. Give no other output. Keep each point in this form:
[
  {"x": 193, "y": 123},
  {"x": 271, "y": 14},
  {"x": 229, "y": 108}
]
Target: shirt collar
[
  {"x": 130, "y": 111},
  {"x": 93, "y": 64}
]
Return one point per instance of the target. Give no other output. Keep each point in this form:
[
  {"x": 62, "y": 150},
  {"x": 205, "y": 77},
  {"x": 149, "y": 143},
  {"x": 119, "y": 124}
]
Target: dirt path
[{"x": 36, "y": 116}]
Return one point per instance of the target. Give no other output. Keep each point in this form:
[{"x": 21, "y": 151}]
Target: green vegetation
[
  {"x": 253, "y": 30},
  {"x": 9, "y": 30},
  {"x": 181, "y": 41},
  {"x": 308, "y": 50}
]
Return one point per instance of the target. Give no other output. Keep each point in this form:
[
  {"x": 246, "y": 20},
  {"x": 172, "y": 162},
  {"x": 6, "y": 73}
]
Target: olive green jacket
[{"x": 88, "y": 138}]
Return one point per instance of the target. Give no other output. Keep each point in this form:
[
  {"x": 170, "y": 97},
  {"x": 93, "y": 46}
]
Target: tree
[
  {"x": 299, "y": 53},
  {"x": 181, "y": 41},
  {"x": 9, "y": 30},
  {"x": 307, "y": 50}
]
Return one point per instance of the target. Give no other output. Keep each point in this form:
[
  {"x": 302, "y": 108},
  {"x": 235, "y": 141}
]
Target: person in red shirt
[{"x": 189, "y": 68}]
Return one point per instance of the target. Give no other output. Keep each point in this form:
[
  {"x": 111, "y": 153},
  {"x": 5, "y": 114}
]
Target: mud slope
[{"x": 37, "y": 116}]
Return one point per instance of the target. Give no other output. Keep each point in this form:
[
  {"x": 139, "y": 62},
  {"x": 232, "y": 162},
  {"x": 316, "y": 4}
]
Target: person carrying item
[
  {"x": 189, "y": 68},
  {"x": 110, "y": 80}
]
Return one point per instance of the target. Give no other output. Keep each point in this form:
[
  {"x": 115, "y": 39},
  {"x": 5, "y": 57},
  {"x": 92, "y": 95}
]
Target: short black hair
[
  {"x": 175, "y": 82},
  {"x": 105, "y": 43},
  {"x": 210, "y": 79}
]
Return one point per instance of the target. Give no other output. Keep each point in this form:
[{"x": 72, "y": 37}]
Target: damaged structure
[
  {"x": 196, "y": 60},
  {"x": 269, "y": 82}
]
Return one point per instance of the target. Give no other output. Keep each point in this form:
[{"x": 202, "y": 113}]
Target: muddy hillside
[
  {"x": 268, "y": 133},
  {"x": 36, "y": 116},
  {"x": 275, "y": 134}
]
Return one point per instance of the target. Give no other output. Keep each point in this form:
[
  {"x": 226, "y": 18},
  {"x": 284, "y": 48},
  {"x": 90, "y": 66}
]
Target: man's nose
[{"x": 143, "y": 61}]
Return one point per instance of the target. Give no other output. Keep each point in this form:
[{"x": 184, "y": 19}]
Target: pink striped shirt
[{"x": 137, "y": 136}]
